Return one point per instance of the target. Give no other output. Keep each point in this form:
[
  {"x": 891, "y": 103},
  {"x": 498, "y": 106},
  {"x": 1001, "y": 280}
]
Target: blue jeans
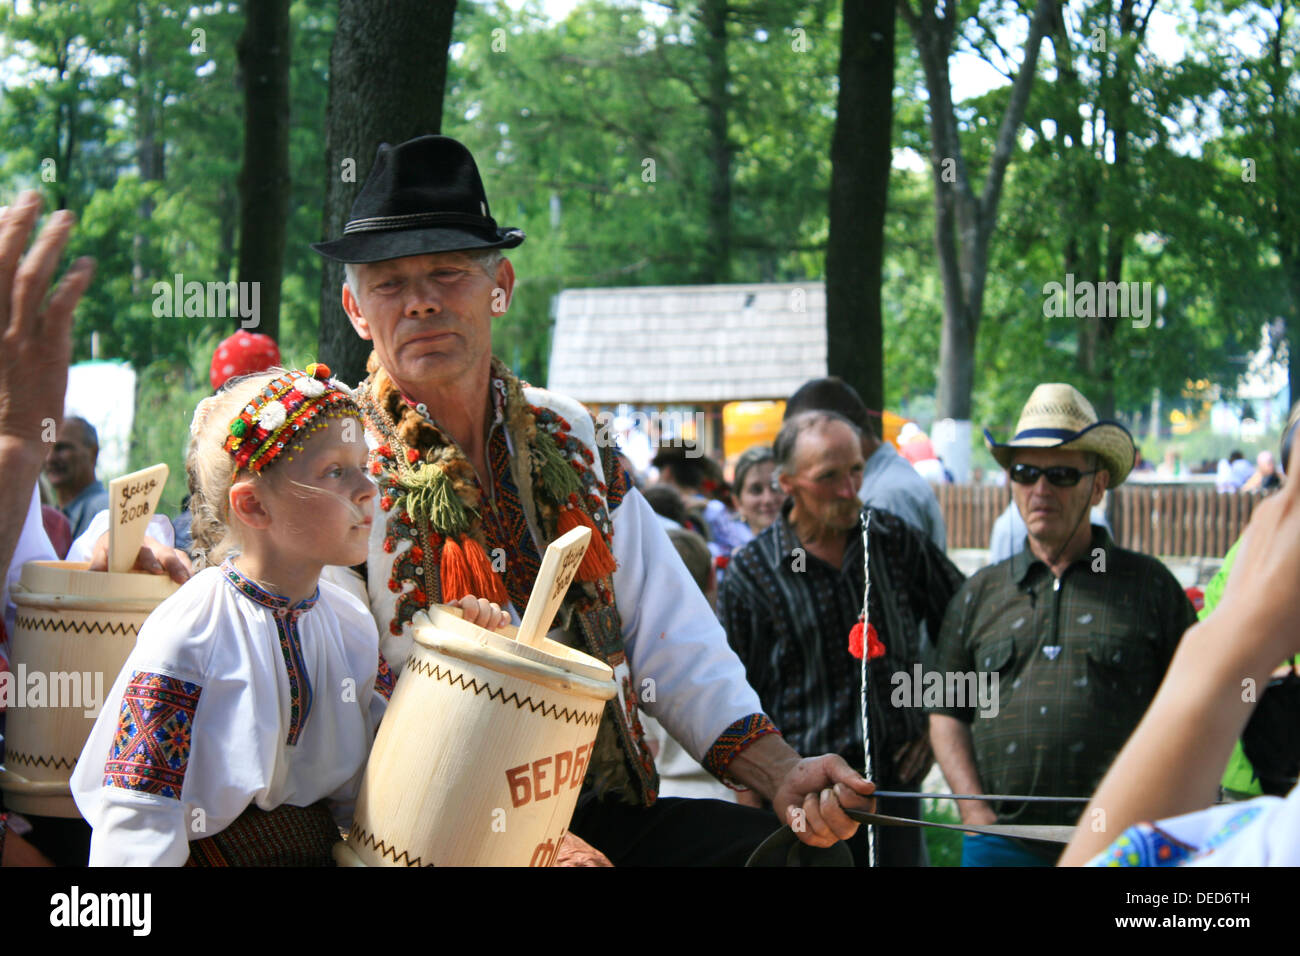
[{"x": 985, "y": 849}]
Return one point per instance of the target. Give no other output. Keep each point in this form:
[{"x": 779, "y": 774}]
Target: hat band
[
  {"x": 1062, "y": 433},
  {"x": 416, "y": 219}
]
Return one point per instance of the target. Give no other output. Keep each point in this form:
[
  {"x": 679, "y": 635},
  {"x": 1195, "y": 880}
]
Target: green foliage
[
  {"x": 166, "y": 396},
  {"x": 943, "y": 846},
  {"x": 593, "y": 136}
]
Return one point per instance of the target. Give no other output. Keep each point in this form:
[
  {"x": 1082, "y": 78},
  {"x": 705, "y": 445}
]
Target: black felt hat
[{"x": 421, "y": 196}]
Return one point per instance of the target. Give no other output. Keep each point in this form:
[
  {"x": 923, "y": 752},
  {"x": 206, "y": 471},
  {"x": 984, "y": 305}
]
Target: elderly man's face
[
  {"x": 430, "y": 317},
  {"x": 71, "y": 465},
  {"x": 825, "y": 476},
  {"x": 1051, "y": 513}
]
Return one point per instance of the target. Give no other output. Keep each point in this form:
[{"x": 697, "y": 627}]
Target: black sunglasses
[{"x": 1062, "y": 476}]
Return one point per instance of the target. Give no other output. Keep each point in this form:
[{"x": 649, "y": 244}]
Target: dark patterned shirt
[
  {"x": 1078, "y": 660},
  {"x": 788, "y": 615}
]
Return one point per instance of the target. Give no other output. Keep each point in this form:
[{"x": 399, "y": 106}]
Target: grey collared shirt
[
  {"x": 889, "y": 482},
  {"x": 82, "y": 509}
]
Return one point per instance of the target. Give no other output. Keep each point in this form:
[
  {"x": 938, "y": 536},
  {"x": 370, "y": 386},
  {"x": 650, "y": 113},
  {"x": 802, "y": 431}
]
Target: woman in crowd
[{"x": 758, "y": 497}]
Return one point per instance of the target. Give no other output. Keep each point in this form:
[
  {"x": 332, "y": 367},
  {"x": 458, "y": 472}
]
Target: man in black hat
[{"x": 516, "y": 466}]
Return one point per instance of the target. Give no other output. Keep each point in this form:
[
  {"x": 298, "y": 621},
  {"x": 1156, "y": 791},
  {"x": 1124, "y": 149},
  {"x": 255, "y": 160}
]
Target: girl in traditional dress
[{"x": 238, "y": 730}]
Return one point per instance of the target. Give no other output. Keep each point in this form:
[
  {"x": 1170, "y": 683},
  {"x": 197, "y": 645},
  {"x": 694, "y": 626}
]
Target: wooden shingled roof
[{"x": 688, "y": 344}]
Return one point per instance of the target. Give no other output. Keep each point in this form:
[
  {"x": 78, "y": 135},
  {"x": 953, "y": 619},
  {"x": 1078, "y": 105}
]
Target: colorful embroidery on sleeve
[
  {"x": 619, "y": 483},
  {"x": 384, "y": 679},
  {"x": 152, "y": 747},
  {"x": 1146, "y": 845},
  {"x": 732, "y": 741},
  {"x": 1235, "y": 825}
]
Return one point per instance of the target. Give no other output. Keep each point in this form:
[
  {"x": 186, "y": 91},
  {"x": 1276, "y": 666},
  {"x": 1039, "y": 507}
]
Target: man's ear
[
  {"x": 353, "y": 308},
  {"x": 1100, "y": 480},
  {"x": 246, "y": 506},
  {"x": 505, "y": 287}
]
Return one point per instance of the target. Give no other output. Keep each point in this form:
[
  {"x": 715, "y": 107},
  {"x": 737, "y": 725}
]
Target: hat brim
[
  {"x": 394, "y": 244},
  {"x": 1110, "y": 441}
]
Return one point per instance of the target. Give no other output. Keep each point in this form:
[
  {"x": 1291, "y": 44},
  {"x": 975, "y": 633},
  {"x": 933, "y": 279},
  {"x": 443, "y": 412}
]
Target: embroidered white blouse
[
  {"x": 1260, "y": 832},
  {"x": 231, "y": 698}
]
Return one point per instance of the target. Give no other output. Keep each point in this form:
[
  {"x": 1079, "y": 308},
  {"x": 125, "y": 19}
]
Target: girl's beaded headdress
[{"x": 282, "y": 412}]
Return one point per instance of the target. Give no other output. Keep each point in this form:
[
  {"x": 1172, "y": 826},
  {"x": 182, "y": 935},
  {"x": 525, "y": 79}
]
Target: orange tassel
[
  {"x": 597, "y": 562},
  {"x": 484, "y": 581},
  {"x": 456, "y": 582}
]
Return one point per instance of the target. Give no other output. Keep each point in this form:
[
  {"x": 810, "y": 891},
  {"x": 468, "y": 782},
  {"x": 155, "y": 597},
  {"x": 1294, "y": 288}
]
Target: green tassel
[
  {"x": 553, "y": 469},
  {"x": 428, "y": 496}
]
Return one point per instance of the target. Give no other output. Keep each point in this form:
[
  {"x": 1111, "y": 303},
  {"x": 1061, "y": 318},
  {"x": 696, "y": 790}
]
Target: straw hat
[{"x": 1057, "y": 416}]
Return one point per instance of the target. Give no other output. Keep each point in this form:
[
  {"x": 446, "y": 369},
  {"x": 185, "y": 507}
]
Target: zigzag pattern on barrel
[
  {"x": 55, "y": 763},
  {"x": 590, "y": 718},
  {"x": 76, "y": 627},
  {"x": 361, "y": 837}
]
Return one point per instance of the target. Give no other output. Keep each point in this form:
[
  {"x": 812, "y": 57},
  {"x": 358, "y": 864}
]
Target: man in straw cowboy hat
[
  {"x": 1076, "y": 631},
  {"x": 502, "y": 470}
]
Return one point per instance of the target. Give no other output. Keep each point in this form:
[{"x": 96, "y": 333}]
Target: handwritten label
[
  {"x": 559, "y": 565},
  {"x": 132, "y": 500},
  {"x": 125, "y": 509},
  {"x": 568, "y": 568}
]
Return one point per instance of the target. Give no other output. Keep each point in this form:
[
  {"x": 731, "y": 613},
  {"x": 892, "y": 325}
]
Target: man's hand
[
  {"x": 813, "y": 795},
  {"x": 914, "y": 759},
  {"x": 808, "y": 794},
  {"x": 35, "y": 347},
  {"x": 154, "y": 558}
]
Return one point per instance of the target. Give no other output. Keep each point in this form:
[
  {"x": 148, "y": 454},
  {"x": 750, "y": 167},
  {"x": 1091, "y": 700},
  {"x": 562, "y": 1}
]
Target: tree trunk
[
  {"x": 148, "y": 142},
  {"x": 713, "y": 21},
  {"x": 388, "y": 70},
  {"x": 264, "y": 54},
  {"x": 1282, "y": 205},
  {"x": 860, "y": 162},
  {"x": 964, "y": 221},
  {"x": 227, "y": 219}
]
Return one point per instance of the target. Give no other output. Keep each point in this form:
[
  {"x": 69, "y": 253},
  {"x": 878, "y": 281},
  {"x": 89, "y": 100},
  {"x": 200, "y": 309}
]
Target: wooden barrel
[
  {"x": 482, "y": 751},
  {"x": 73, "y": 632}
]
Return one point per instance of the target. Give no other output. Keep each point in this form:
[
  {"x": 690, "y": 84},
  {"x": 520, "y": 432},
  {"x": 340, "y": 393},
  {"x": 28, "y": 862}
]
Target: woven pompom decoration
[{"x": 318, "y": 370}]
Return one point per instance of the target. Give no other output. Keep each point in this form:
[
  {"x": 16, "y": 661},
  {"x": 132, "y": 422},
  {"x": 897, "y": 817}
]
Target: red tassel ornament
[
  {"x": 466, "y": 570},
  {"x": 875, "y": 647},
  {"x": 597, "y": 562},
  {"x": 454, "y": 572},
  {"x": 486, "y": 583}
]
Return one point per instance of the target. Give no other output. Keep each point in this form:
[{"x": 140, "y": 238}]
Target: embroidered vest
[{"x": 441, "y": 539}]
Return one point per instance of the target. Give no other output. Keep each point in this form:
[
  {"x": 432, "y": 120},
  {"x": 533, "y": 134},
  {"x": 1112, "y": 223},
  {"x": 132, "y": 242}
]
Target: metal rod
[{"x": 978, "y": 796}]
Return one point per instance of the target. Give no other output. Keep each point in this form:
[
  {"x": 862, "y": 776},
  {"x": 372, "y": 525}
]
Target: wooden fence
[{"x": 1165, "y": 519}]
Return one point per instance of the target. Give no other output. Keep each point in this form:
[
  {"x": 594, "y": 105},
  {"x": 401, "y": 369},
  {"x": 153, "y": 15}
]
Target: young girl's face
[{"x": 321, "y": 500}]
